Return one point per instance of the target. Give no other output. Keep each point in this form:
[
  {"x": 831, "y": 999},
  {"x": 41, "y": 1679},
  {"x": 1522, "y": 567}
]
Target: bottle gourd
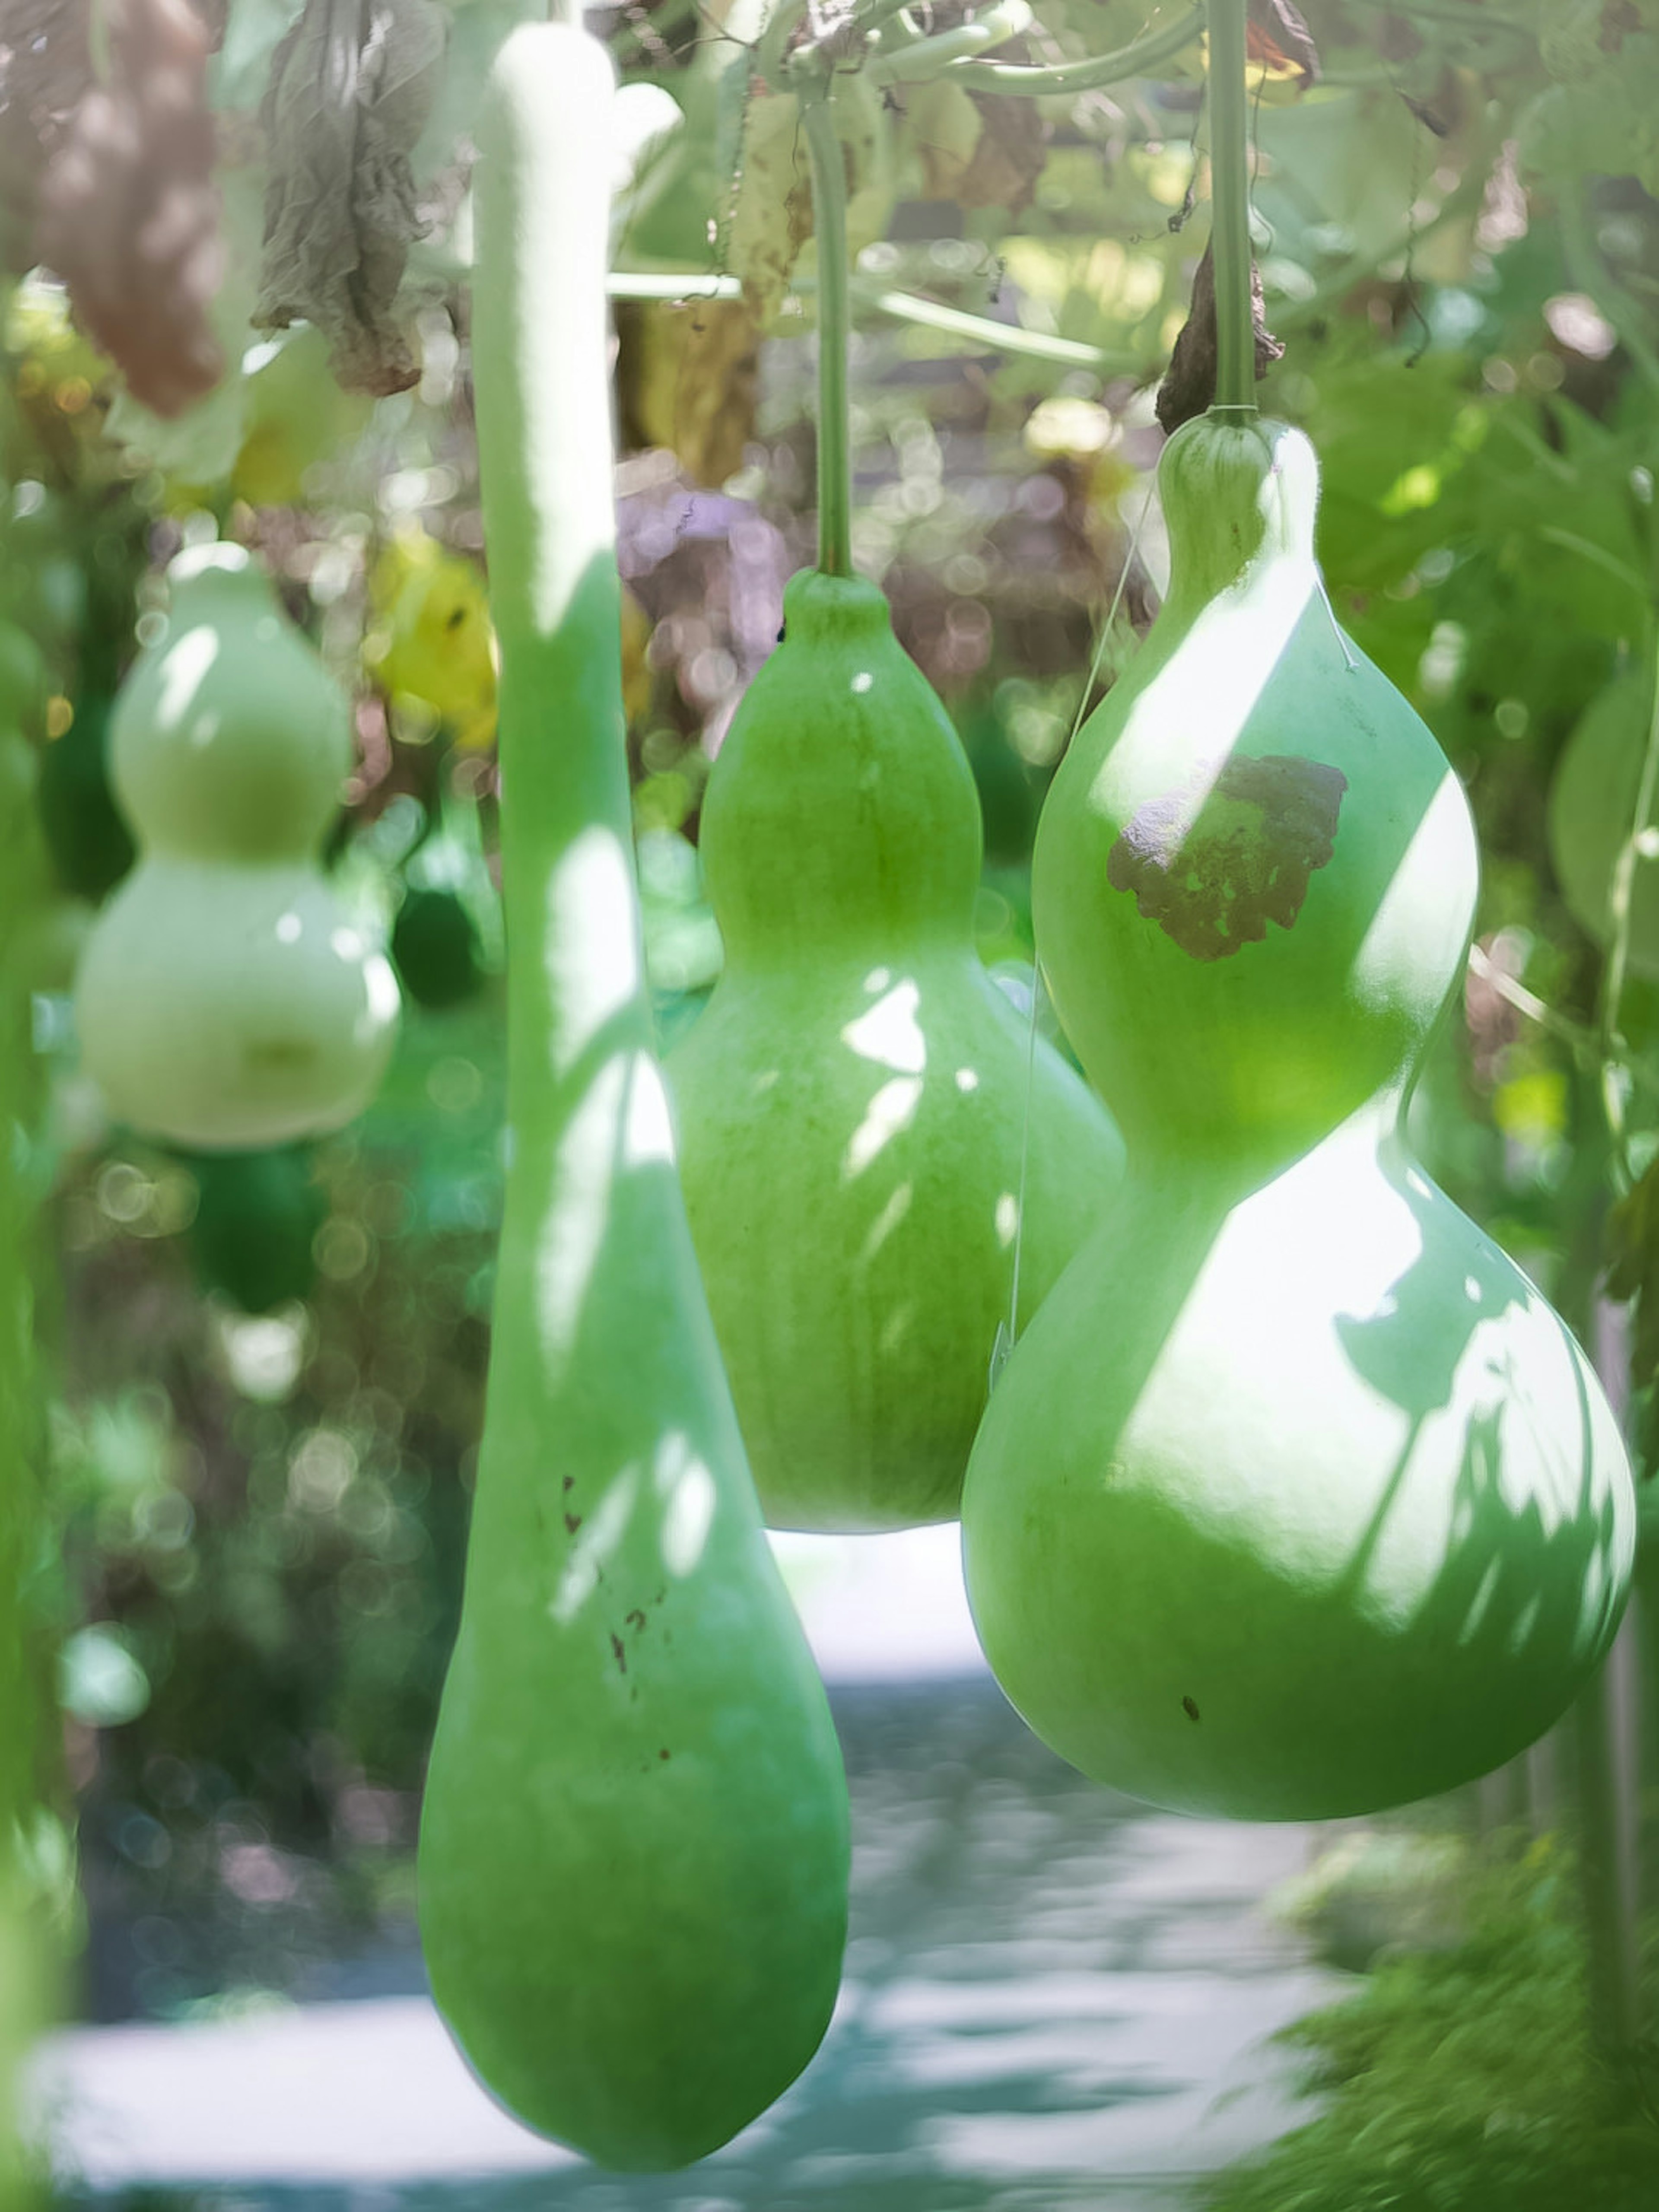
[
  {"x": 634, "y": 1843},
  {"x": 225, "y": 1000},
  {"x": 1297, "y": 1499},
  {"x": 860, "y": 1108}
]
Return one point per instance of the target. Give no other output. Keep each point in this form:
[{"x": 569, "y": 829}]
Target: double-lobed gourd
[
  {"x": 1297, "y": 1499},
  {"x": 634, "y": 1843},
  {"x": 225, "y": 999},
  {"x": 853, "y": 1102}
]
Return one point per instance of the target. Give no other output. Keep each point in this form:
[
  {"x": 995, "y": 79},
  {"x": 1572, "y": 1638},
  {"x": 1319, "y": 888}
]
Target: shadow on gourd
[
  {"x": 853, "y": 1102},
  {"x": 225, "y": 999},
  {"x": 1297, "y": 1499}
]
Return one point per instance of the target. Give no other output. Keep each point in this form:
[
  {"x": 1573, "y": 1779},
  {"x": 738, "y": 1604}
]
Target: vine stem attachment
[
  {"x": 1230, "y": 194},
  {"x": 835, "y": 469}
]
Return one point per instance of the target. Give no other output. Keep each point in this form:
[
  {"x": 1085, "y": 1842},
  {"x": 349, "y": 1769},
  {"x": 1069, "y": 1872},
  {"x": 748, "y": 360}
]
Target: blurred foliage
[
  {"x": 268, "y": 1374},
  {"x": 1462, "y": 2076}
]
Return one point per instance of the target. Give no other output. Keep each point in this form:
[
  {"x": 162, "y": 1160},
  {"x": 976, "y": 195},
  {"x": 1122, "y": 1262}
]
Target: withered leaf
[
  {"x": 45, "y": 70},
  {"x": 1188, "y": 385},
  {"x": 129, "y": 210},
  {"x": 1278, "y": 40},
  {"x": 688, "y": 379},
  {"x": 352, "y": 86}
]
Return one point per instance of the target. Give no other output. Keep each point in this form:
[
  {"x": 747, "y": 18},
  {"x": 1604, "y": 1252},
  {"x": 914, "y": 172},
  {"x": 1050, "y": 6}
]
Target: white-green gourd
[{"x": 225, "y": 999}]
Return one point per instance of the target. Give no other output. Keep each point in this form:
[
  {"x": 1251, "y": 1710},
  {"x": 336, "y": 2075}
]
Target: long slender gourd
[
  {"x": 633, "y": 1846},
  {"x": 1297, "y": 1499}
]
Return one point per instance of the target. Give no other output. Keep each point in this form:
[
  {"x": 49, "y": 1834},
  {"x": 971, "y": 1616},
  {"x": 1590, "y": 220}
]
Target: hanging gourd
[
  {"x": 1297, "y": 1499},
  {"x": 436, "y": 948},
  {"x": 1592, "y": 805},
  {"x": 853, "y": 1102},
  {"x": 254, "y": 1233},
  {"x": 633, "y": 1846},
  {"x": 225, "y": 999}
]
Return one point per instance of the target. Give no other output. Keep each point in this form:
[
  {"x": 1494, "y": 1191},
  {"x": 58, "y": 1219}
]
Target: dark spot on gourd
[
  {"x": 455, "y": 617},
  {"x": 1189, "y": 1708},
  {"x": 275, "y": 1054},
  {"x": 635, "y": 1619},
  {"x": 662, "y": 1754},
  {"x": 783, "y": 631},
  {"x": 1214, "y": 862},
  {"x": 573, "y": 1522},
  {"x": 618, "y": 1653},
  {"x": 570, "y": 1482}
]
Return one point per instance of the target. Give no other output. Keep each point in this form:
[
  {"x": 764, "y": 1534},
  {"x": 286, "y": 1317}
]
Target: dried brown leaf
[
  {"x": 1188, "y": 385},
  {"x": 1277, "y": 40},
  {"x": 1009, "y": 158},
  {"x": 688, "y": 377},
  {"x": 352, "y": 86},
  {"x": 46, "y": 71},
  {"x": 129, "y": 211}
]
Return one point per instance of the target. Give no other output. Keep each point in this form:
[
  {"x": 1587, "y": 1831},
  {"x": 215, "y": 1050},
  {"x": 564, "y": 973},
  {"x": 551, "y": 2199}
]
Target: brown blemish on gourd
[
  {"x": 573, "y": 1522},
  {"x": 1189, "y": 1708},
  {"x": 1214, "y": 862},
  {"x": 618, "y": 1652},
  {"x": 635, "y": 1619}
]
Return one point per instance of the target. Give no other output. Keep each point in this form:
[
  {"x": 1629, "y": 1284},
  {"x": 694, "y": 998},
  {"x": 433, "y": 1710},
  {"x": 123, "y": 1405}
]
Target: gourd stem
[
  {"x": 566, "y": 11},
  {"x": 835, "y": 317},
  {"x": 1061, "y": 77},
  {"x": 1230, "y": 194}
]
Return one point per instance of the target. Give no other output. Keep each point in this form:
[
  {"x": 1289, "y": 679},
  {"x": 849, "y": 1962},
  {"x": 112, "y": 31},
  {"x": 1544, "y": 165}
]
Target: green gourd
[
  {"x": 256, "y": 1223},
  {"x": 1297, "y": 1499},
  {"x": 1592, "y": 807},
  {"x": 225, "y": 999},
  {"x": 863, "y": 1116},
  {"x": 436, "y": 948},
  {"x": 633, "y": 1845}
]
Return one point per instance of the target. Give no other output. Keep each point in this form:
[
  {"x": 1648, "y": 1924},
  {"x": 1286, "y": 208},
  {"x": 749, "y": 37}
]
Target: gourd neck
[
  {"x": 1241, "y": 495},
  {"x": 541, "y": 368},
  {"x": 842, "y": 820}
]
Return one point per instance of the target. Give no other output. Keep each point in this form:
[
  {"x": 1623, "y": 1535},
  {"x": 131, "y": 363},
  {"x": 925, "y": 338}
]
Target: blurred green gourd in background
[
  {"x": 436, "y": 948},
  {"x": 1297, "y": 1500},
  {"x": 224, "y": 998},
  {"x": 634, "y": 1849},
  {"x": 257, "y": 1218}
]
